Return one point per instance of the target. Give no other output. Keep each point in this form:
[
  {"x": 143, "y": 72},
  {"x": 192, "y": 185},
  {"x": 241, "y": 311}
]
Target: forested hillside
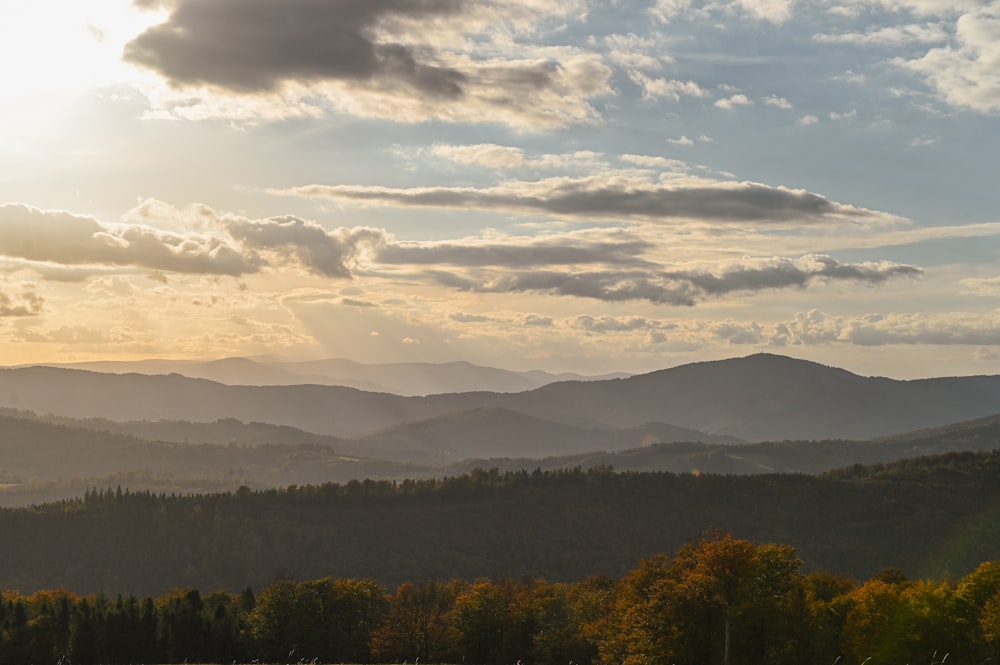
[{"x": 932, "y": 516}]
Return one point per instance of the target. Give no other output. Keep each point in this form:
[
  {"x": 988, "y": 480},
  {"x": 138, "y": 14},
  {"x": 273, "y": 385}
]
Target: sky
[{"x": 568, "y": 185}]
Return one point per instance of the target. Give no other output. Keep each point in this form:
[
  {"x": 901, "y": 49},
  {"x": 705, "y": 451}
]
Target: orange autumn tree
[{"x": 720, "y": 600}]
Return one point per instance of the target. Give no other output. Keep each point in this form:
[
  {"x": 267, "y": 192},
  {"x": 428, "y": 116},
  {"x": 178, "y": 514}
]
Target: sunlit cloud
[{"x": 626, "y": 197}]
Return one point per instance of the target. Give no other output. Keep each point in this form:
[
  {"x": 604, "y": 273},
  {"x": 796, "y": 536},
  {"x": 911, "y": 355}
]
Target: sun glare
[{"x": 57, "y": 45}]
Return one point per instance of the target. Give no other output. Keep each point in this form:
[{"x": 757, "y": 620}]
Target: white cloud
[
  {"x": 481, "y": 154},
  {"x": 965, "y": 73},
  {"x": 673, "y": 165},
  {"x": 921, "y": 142},
  {"x": 733, "y": 101},
  {"x": 631, "y": 51},
  {"x": 895, "y": 35},
  {"x": 849, "y": 116},
  {"x": 656, "y": 88},
  {"x": 774, "y": 11},
  {"x": 780, "y": 102}
]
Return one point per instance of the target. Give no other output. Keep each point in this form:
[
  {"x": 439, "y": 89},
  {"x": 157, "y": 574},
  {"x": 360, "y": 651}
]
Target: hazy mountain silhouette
[
  {"x": 765, "y": 457},
  {"x": 496, "y": 432},
  {"x": 768, "y": 397},
  {"x": 46, "y": 458},
  {"x": 760, "y": 397},
  {"x": 410, "y": 379}
]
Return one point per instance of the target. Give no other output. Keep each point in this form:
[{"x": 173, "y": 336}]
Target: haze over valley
[{"x": 68, "y": 430}]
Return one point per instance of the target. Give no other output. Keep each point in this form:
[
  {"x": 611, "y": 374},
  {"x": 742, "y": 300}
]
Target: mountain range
[
  {"x": 756, "y": 398},
  {"x": 64, "y": 430},
  {"x": 408, "y": 379}
]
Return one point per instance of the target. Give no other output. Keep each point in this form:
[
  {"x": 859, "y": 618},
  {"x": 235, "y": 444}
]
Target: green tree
[
  {"x": 183, "y": 630},
  {"x": 84, "y": 634}
]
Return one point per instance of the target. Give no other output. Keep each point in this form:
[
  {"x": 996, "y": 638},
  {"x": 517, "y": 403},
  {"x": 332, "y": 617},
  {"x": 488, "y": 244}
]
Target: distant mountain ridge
[
  {"x": 757, "y": 398},
  {"x": 408, "y": 379}
]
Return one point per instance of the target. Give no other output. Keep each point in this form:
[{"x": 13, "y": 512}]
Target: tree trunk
[{"x": 725, "y": 652}]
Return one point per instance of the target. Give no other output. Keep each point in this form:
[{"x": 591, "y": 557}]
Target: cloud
[
  {"x": 817, "y": 327},
  {"x": 685, "y": 287},
  {"x": 616, "y": 286},
  {"x": 482, "y": 154},
  {"x": 62, "y": 246},
  {"x": 683, "y": 140},
  {"x": 673, "y": 165},
  {"x": 352, "y": 302},
  {"x": 965, "y": 73},
  {"x": 632, "y": 51},
  {"x": 399, "y": 59},
  {"x": 953, "y": 329},
  {"x": 755, "y": 274},
  {"x": 65, "y": 238},
  {"x": 921, "y": 142},
  {"x": 779, "y": 102},
  {"x": 254, "y": 45},
  {"x": 810, "y": 328},
  {"x": 848, "y": 116},
  {"x": 733, "y": 101},
  {"x": 25, "y": 303},
  {"x": 987, "y": 287},
  {"x": 331, "y": 254},
  {"x": 569, "y": 249},
  {"x": 655, "y": 88},
  {"x": 459, "y": 317},
  {"x": 774, "y": 11},
  {"x": 611, "y": 324},
  {"x": 608, "y": 197},
  {"x": 895, "y": 35},
  {"x": 807, "y": 120},
  {"x": 536, "y": 321}
]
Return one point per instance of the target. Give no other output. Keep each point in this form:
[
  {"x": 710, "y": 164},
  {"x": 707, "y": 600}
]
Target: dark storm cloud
[{"x": 255, "y": 45}]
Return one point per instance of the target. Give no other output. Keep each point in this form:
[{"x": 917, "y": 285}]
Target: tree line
[{"x": 717, "y": 601}]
